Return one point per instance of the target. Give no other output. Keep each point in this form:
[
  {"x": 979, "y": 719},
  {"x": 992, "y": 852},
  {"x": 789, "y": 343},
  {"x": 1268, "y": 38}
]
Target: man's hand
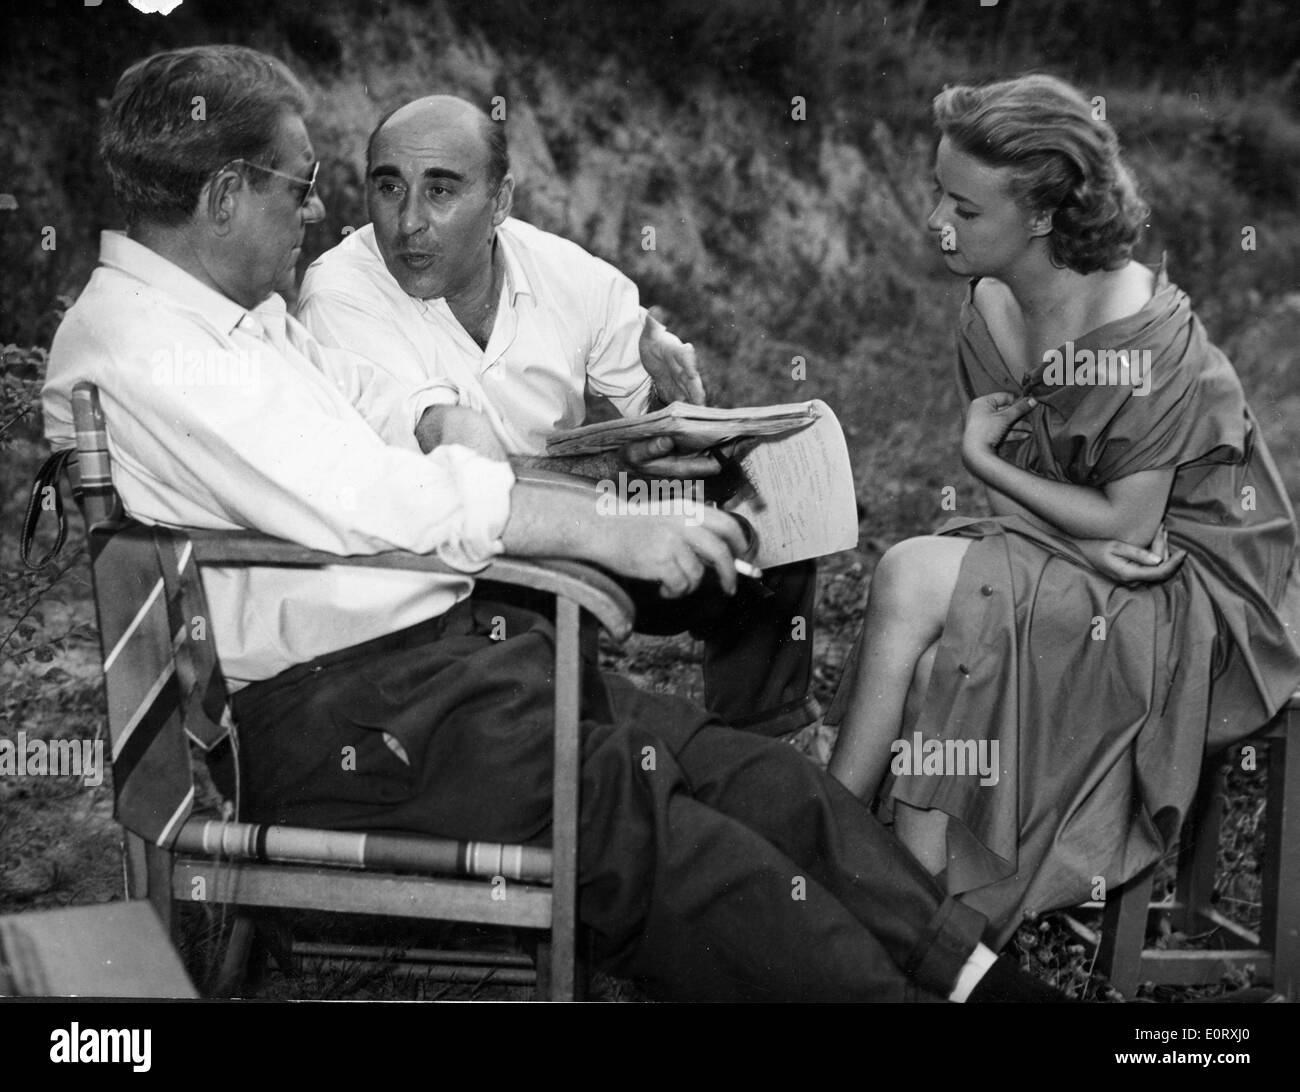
[
  {"x": 988, "y": 420},
  {"x": 1125, "y": 563},
  {"x": 671, "y": 364},
  {"x": 675, "y": 551},
  {"x": 661, "y": 458}
]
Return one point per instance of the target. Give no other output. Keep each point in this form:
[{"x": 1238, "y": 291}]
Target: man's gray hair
[{"x": 177, "y": 117}]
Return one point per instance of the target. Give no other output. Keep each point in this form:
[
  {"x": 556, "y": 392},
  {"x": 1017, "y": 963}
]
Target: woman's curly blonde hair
[{"x": 1063, "y": 159}]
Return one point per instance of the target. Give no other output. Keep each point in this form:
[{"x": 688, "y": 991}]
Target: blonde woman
[{"x": 1034, "y": 691}]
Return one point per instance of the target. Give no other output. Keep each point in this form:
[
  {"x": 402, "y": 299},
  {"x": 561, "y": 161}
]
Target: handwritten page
[{"x": 802, "y": 504}]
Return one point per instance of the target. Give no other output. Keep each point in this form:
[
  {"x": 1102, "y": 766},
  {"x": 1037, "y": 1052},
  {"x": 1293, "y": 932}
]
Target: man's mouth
[{"x": 417, "y": 261}]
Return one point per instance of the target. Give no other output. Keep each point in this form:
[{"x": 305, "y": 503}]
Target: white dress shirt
[
  {"x": 224, "y": 418},
  {"x": 565, "y": 320}
]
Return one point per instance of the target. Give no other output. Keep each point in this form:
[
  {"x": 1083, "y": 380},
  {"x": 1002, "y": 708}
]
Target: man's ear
[
  {"x": 505, "y": 200},
  {"x": 218, "y": 200}
]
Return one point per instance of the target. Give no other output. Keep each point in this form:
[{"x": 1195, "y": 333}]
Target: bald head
[{"x": 444, "y": 117}]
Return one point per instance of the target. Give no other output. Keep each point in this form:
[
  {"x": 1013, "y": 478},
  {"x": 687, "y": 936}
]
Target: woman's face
[{"x": 978, "y": 226}]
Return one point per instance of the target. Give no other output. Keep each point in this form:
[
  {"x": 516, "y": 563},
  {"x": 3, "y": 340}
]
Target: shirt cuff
[
  {"x": 435, "y": 394},
  {"x": 483, "y": 486}
]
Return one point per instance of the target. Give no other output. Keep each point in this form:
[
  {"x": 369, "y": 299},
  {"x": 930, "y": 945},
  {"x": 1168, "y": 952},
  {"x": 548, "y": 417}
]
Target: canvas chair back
[{"x": 162, "y": 680}]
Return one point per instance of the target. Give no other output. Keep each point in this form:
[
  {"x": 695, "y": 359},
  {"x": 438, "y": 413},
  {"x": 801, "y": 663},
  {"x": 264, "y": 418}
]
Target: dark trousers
[
  {"x": 713, "y": 864},
  {"x": 758, "y": 644}
]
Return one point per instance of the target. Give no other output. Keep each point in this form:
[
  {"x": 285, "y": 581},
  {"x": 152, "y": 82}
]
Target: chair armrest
[{"x": 591, "y": 589}]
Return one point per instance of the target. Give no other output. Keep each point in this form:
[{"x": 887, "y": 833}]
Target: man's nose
[
  {"x": 313, "y": 212},
  {"x": 412, "y": 219}
]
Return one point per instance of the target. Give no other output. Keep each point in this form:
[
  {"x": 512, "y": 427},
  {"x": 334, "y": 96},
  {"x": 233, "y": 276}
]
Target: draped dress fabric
[{"x": 1104, "y": 698}]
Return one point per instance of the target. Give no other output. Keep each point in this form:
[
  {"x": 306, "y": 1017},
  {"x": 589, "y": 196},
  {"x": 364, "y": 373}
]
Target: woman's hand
[
  {"x": 1125, "y": 563},
  {"x": 988, "y": 420}
]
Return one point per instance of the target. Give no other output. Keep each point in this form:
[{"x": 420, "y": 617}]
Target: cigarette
[{"x": 746, "y": 569}]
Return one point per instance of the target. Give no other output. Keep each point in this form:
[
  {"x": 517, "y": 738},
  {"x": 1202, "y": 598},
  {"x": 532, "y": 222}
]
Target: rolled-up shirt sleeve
[
  {"x": 391, "y": 396},
  {"x": 484, "y": 487},
  {"x": 313, "y": 471},
  {"x": 391, "y": 407},
  {"x": 614, "y": 367}
]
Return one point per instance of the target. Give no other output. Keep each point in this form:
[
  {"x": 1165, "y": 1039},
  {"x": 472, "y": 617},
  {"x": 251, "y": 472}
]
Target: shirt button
[
  {"x": 986, "y": 590},
  {"x": 963, "y": 669}
]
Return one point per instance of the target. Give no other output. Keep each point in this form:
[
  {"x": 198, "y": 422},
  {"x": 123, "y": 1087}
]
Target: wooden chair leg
[
  {"x": 1280, "y": 928},
  {"x": 234, "y": 962},
  {"x": 1198, "y": 849},
  {"x": 564, "y": 837},
  {"x": 1124, "y": 932}
]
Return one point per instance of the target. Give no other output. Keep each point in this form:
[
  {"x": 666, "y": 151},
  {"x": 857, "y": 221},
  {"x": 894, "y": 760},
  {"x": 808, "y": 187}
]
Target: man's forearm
[
  {"x": 596, "y": 467},
  {"x": 549, "y": 522}
]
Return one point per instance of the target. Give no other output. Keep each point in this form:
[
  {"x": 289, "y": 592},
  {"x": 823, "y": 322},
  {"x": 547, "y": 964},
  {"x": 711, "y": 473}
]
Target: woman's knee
[{"x": 904, "y": 581}]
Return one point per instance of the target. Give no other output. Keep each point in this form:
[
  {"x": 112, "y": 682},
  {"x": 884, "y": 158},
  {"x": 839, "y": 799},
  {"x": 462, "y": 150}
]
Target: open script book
[
  {"x": 693, "y": 427},
  {"x": 797, "y": 484}
]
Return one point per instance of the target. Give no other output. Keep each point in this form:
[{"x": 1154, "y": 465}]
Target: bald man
[
  {"x": 421, "y": 289},
  {"x": 445, "y": 288}
]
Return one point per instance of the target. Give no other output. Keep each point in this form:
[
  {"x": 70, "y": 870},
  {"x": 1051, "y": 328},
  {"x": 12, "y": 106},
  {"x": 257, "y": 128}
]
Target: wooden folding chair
[
  {"x": 1273, "y": 954},
  {"x": 173, "y": 855}
]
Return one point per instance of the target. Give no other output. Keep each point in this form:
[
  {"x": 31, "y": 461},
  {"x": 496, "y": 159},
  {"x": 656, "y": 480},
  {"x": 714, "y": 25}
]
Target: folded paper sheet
[
  {"x": 803, "y": 503},
  {"x": 799, "y": 494}
]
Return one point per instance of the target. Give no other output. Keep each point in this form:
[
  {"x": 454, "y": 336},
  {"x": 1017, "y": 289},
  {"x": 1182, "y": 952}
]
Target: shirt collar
[
  {"x": 516, "y": 277},
  {"x": 124, "y": 254}
]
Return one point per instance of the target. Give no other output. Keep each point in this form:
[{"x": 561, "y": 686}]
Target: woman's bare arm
[{"x": 1129, "y": 509}]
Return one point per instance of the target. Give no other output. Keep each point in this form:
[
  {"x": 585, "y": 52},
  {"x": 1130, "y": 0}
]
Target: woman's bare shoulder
[
  {"x": 990, "y": 294},
  {"x": 998, "y": 307},
  {"x": 1127, "y": 291}
]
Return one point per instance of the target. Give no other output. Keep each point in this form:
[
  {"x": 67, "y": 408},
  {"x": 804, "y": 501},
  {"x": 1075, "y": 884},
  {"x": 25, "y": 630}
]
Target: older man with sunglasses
[{"x": 687, "y": 865}]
